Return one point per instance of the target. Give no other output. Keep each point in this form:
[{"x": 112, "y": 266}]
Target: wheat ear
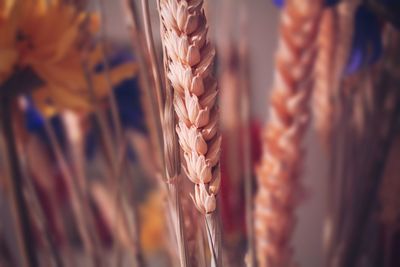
[
  {"x": 189, "y": 59},
  {"x": 279, "y": 172}
]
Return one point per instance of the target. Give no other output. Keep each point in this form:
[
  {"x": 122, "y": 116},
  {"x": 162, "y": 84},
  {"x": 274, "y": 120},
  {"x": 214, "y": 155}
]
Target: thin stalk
[
  {"x": 113, "y": 102},
  {"x": 75, "y": 153},
  {"x": 176, "y": 211},
  {"x": 374, "y": 175},
  {"x": 42, "y": 223},
  {"x": 153, "y": 56},
  {"x": 106, "y": 136},
  {"x": 24, "y": 233},
  {"x": 172, "y": 159},
  {"x": 173, "y": 242},
  {"x": 121, "y": 138},
  {"x": 213, "y": 229},
  {"x": 114, "y": 157},
  {"x": 79, "y": 207},
  {"x": 247, "y": 155},
  {"x": 172, "y": 174},
  {"x": 152, "y": 110},
  {"x": 201, "y": 254},
  {"x": 129, "y": 222},
  {"x": 134, "y": 222},
  {"x": 36, "y": 211}
]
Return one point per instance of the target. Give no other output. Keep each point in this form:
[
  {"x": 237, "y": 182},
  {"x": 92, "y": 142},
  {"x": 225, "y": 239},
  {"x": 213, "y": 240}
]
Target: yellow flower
[
  {"x": 48, "y": 38},
  {"x": 153, "y": 226},
  {"x": 8, "y": 26},
  {"x": 5, "y": 8}
]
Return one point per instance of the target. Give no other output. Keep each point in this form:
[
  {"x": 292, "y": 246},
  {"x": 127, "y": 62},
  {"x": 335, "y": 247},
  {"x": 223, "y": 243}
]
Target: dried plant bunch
[
  {"x": 279, "y": 172},
  {"x": 189, "y": 69},
  {"x": 369, "y": 134}
]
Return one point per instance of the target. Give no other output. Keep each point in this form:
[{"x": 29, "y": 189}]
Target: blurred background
[{"x": 81, "y": 160}]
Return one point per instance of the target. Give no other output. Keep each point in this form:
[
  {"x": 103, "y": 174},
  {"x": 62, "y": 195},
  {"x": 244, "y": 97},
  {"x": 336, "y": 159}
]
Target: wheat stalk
[
  {"x": 79, "y": 204},
  {"x": 160, "y": 101},
  {"x": 330, "y": 66},
  {"x": 37, "y": 212},
  {"x": 279, "y": 172},
  {"x": 19, "y": 207},
  {"x": 191, "y": 227},
  {"x": 324, "y": 101},
  {"x": 189, "y": 58},
  {"x": 323, "y": 108},
  {"x": 370, "y": 113},
  {"x": 247, "y": 149},
  {"x": 149, "y": 100},
  {"x": 337, "y": 179}
]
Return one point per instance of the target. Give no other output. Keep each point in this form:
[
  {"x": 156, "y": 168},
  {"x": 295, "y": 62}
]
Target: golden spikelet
[
  {"x": 189, "y": 59},
  {"x": 279, "y": 172},
  {"x": 189, "y": 71}
]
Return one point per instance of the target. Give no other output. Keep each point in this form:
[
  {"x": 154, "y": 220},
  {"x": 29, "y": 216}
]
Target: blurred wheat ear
[{"x": 279, "y": 185}]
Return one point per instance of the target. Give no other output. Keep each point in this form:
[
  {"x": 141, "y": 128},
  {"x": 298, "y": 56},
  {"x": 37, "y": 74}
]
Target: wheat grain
[
  {"x": 279, "y": 172},
  {"x": 189, "y": 59}
]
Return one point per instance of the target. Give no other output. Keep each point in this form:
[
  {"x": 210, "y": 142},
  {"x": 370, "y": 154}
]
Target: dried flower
[{"x": 47, "y": 36}]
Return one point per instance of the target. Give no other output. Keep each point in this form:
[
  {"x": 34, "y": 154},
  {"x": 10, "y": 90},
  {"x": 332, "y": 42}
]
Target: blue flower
[
  {"x": 128, "y": 98},
  {"x": 34, "y": 123},
  {"x": 367, "y": 42},
  {"x": 127, "y": 95},
  {"x": 115, "y": 59},
  {"x": 281, "y": 3},
  {"x": 331, "y": 2}
]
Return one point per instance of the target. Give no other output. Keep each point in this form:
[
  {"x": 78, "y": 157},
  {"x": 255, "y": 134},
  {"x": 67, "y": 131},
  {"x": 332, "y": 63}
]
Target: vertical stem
[
  {"x": 171, "y": 147},
  {"x": 245, "y": 114},
  {"x": 213, "y": 229},
  {"x": 201, "y": 251},
  {"x": 353, "y": 246},
  {"x": 134, "y": 221},
  {"x": 80, "y": 208},
  {"x": 115, "y": 156},
  {"x": 113, "y": 102},
  {"x": 43, "y": 224},
  {"x": 20, "y": 209},
  {"x": 172, "y": 174},
  {"x": 149, "y": 99},
  {"x": 106, "y": 138},
  {"x": 247, "y": 160},
  {"x": 178, "y": 222},
  {"x": 115, "y": 117},
  {"x": 153, "y": 56}
]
